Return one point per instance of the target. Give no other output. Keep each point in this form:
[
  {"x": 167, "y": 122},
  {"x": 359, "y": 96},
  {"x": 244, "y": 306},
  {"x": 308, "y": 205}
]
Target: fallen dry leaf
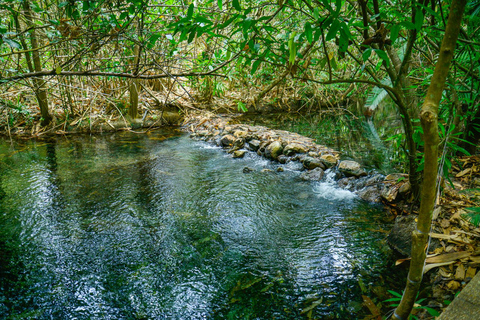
[
  {"x": 471, "y": 271},
  {"x": 463, "y": 172},
  {"x": 475, "y": 259},
  {"x": 430, "y": 266},
  {"x": 453, "y": 285},
  {"x": 460, "y": 273},
  {"x": 448, "y": 257}
]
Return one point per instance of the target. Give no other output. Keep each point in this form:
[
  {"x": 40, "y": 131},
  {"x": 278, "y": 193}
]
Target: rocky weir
[{"x": 282, "y": 146}]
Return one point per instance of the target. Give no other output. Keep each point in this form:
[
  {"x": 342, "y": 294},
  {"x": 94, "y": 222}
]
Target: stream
[{"x": 158, "y": 226}]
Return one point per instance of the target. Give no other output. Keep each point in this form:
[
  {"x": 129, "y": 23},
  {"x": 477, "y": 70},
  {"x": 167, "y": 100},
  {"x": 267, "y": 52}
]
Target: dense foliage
[{"x": 80, "y": 56}]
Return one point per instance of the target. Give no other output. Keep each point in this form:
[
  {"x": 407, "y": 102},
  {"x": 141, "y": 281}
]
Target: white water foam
[
  {"x": 329, "y": 190},
  {"x": 206, "y": 145}
]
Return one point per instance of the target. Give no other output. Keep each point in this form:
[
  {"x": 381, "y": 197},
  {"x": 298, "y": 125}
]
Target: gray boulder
[
  {"x": 400, "y": 237},
  {"x": 311, "y": 163},
  {"x": 370, "y": 193},
  {"x": 254, "y": 145},
  {"x": 351, "y": 168},
  {"x": 227, "y": 141}
]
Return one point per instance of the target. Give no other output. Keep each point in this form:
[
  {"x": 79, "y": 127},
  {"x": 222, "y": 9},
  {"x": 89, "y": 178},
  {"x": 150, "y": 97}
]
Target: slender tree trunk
[
  {"x": 134, "y": 84},
  {"x": 38, "y": 83},
  {"x": 429, "y": 120},
  {"x": 134, "y": 87}
]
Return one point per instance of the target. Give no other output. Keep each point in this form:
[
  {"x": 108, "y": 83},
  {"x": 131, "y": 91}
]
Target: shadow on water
[{"x": 157, "y": 226}]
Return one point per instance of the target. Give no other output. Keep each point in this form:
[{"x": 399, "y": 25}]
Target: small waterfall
[{"x": 329, "y": 190}]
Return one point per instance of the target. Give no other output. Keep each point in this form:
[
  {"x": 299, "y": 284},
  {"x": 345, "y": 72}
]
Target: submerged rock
[
  {"x": 346, "y": 183},
  {"x": 313, "y": 175},
  {"x": 239, "y": 153},
  {"x": 351, "y": 168},
  {"x": 273, "y": 150},
  {"x": 248, "y": 170},
  {"x": 283, "y": 159}
]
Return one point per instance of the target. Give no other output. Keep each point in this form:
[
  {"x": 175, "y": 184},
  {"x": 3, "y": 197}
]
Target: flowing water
[{"x": 158, "y": 226}]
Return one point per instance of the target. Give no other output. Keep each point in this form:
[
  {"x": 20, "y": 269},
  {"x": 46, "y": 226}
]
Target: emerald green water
[{"x": 158, "y": 226}]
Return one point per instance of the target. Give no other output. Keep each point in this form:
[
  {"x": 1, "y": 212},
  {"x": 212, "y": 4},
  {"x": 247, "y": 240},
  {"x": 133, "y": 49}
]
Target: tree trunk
[
  {"x": 429, "y": 120},
  {"x": 134, "y": 84},
  {"x": 38, "y": 83},
  {"x": 133, "y": 108}
]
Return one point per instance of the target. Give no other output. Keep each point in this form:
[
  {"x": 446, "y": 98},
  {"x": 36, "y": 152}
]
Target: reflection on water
[{"x": 157, "y": 226}]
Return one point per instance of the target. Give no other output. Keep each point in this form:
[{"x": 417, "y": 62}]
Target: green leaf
[
  {"x": 123, "y": 15},
  {"x": 12, "y": 43},
  {"x": 338, "y": 6},
  {"x": 316, "y": 13},
  {"x": 58, "y": 70},
  {"x": 462, "y": 150},
  {"x": 242, "y": 107},
  {"x": 153, "y": 38},
  {"x": 333, "y": 30},
  {"x": 36, "y": 8},
  {"x": 393, "y": 293},
  {"x": 62, "y": 4},
  {"x": 220, "y": 4},
  {"x": 432, "y": 312},
  {"x": 323, "y": 62},
  {"x": 236, "y": 5},
  {"x": 394, "y": 32},
  {"x": 309, "y": 32},
  {"x": 408, "y": 25},
  {"x": 246, "y": 24},
  {"x": 366, "y": 54},
  {"x": 333, "y": 64},
  {"x": 383, "y": 56},
  {"x": 227, "y": 23},
  {"x": 418, "y": 19},
  {"x": 255, "y": 66},
  {"x": 343, "y": 42},
  {"x": 192, "y": 35},
  {"x": 392, "y": 300},
  {"x": 292, "y": 48},
  {"x": 190, "y": 11}
]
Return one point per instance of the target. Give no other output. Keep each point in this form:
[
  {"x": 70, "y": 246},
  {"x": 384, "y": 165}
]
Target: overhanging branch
[{"x": 45, "y": 73}]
